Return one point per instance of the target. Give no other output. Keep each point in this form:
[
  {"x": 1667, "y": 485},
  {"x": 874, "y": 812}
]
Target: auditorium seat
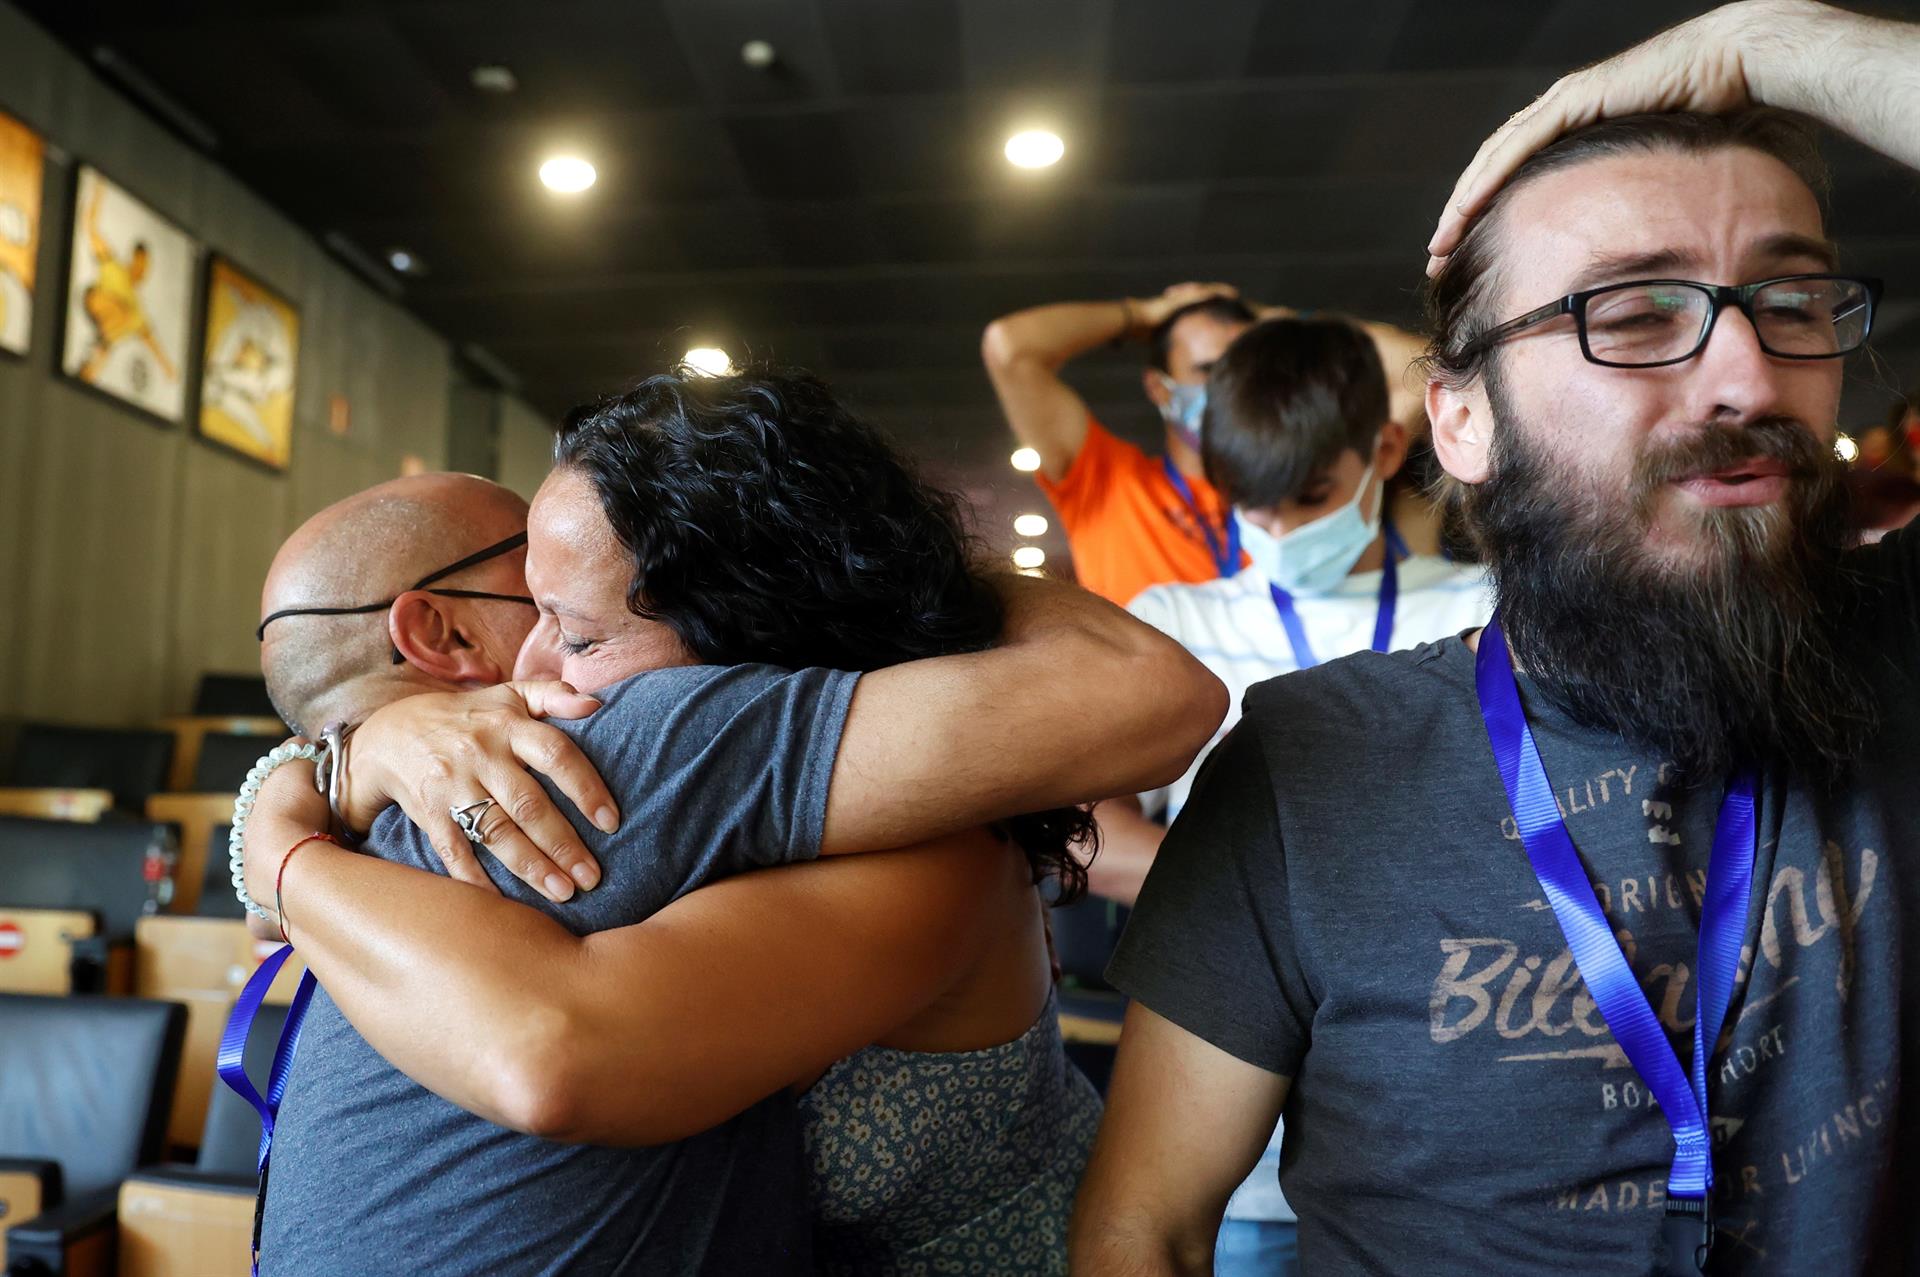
[
  {"x": 194, "y": 738},
  {"x": 56, "y": 804},
  {"x": 85, "y": 1084},
  {"x": 95, "y": 871},
  {"x": 233, "y": 695},
  {"x": 129, "y": 763},
  {"x": 201, "y": 963},
  {"x": 197, "y": 1221},
  {"x": 216, "y": 882},
  {"x": 1084, "y": 936},
  {"x": 194, "y": 818}
]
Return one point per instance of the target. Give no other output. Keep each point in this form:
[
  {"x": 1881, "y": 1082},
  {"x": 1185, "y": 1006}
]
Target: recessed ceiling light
[
  {"x": 1025, "y": 459},
  {"x": 567, "y": 174},
  {"x": 1030, "y": 525},
  {"x": 758, "y": 54},
  {"x": 405, "y": 262},
  {"x": 708, "y": 361},
  {"x": 1035, "y": 148},
  {"x": 494, "y": 78},
  {"x": 1845, "y": 448},
  {"x": 1029, "y": 556}
]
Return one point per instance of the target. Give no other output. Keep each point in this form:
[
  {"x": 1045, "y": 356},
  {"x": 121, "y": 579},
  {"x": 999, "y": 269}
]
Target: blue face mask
[
  {"x": 1185, "y": 408},
  {"x": 1315, "y": 557}
]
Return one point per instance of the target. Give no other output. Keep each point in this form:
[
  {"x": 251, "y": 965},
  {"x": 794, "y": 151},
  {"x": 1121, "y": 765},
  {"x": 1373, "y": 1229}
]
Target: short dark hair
[
  {"x": 1287, "y": 398},
  {"x": 768, "y": 525},
  {"x": 1228, "y": 310},
  {"x": 1457, "y": 299}
]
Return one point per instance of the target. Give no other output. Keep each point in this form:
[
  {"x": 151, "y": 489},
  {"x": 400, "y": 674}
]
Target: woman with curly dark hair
[{"x": 750, "y": 520}]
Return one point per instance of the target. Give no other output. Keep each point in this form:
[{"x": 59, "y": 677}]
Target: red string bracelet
[{"x": 279, "y": 910}]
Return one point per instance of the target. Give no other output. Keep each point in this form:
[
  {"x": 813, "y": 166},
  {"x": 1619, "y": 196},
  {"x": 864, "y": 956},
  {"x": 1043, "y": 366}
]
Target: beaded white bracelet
[{"x": 243, "y": 807}]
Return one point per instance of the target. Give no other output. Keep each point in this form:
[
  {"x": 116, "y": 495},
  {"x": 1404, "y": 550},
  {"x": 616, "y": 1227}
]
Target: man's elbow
[{"x": 998, "y": 348}]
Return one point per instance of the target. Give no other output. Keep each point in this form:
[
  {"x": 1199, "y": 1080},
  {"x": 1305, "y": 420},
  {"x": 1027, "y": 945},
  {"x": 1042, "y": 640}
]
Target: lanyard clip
[{"x": 1681, "y": 1211}]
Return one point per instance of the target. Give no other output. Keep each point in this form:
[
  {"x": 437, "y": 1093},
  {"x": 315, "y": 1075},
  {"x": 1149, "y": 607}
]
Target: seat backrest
[
  {"x": 57, "y": 864},
  {"x": 230, "y": 1143},
  {"x": 225, "y": 759},
  {"x": 87, "y": 1082},
  {"x": 216, "y": 889},
  {"x": 1084, "y": 935},
  {"x": 132, "y": 763},
  {"x": 233, "y": 694}
]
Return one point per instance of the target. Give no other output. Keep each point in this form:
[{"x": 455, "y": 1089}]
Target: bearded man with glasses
[{"x": 1589, "y": 941}]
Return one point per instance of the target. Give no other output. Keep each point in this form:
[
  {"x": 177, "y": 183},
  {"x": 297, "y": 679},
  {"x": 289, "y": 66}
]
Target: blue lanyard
[
  {"x": 1303, "y": 655},
  {"x": 1610, "y": 980},
  {"x": 231, "y": 1064},
  {"x": 1225, "y": 549}
]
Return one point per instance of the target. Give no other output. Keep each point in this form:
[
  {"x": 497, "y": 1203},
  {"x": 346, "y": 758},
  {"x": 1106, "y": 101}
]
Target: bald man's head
[{"x": 374, "y": 545}]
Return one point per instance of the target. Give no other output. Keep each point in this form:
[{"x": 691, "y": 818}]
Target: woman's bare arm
[{"x": 644, "y": 1034}]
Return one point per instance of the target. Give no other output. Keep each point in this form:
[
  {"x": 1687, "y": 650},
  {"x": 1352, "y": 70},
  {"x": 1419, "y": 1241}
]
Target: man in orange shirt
[{"x": 1135, "y": 520}]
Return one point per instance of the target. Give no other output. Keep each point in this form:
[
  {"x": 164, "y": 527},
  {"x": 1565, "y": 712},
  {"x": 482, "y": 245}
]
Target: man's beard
[{"x": 1738, "y": 655}]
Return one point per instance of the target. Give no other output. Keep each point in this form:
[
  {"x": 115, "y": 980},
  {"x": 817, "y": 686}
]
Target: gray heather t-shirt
[
  {"x": 1345, "y": 902},
  {"x": 717, "y": 771}
]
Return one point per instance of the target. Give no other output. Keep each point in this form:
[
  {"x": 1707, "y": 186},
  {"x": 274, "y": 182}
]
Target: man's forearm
[
  {"x": 1128, "y": 844},
  {"x": 937, "y": 746},
  {"x": 1857, "y": 74},
  {"x": 1051, "y": 335}
]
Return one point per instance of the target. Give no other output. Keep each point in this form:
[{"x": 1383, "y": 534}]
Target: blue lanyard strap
[
  {"x": 1223, "y": 545},
  {"x": 231, "y": 1063},
  {"x": 1609, "y": 979},
  {"x": 1303, "y": 654}
]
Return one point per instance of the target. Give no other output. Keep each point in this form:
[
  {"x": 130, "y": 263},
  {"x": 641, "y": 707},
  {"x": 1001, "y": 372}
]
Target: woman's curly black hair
[{"x": 767, "y": 524}]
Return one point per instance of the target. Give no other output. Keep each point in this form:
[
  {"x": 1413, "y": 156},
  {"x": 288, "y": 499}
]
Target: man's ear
[
  {"x": 1152, "y": 380},
  {"x": 430, "y": 631},
  {"x": 1462, "y": 429},
  {"x": 1389, "y": 451}
]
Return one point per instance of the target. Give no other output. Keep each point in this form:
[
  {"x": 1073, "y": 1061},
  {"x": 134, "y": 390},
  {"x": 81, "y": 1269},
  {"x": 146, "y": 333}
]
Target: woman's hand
[
  {"x": 287, "y": 808},
  {"x": 439, "y": 751}
]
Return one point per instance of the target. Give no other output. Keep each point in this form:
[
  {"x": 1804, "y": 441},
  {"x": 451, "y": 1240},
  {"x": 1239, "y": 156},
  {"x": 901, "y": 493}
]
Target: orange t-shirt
[{"x": 1127, "y": 524}]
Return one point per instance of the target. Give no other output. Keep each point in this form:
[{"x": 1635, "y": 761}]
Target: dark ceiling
[{"x": 849, "y": 209}]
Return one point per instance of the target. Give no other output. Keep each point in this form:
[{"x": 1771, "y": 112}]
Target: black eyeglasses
[
  {"x": 1653, "y": 322},
  {"x": 493, "y": 551}
]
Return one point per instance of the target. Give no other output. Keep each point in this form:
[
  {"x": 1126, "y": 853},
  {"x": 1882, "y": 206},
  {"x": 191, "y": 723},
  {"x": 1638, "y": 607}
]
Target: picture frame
[
  {"x": 130, "y": 300},
  {"x": 249, "y": 369},
  {"x": 23, "y": 155}
]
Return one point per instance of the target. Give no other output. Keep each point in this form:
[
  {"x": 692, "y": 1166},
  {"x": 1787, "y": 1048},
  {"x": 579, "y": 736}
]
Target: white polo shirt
[{"x": 1232, "y": 626}]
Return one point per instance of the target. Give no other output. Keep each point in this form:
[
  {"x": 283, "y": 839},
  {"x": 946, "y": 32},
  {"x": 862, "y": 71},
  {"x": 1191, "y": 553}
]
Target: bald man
[
  {"x": 458, "y": 538},
  {"x": 717, "y": 771}
]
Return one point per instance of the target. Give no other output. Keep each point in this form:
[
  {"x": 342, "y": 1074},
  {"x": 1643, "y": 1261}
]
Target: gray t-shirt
[
  {"x": 717, "y": 771},
  {"x": 1345, "y": 902}
]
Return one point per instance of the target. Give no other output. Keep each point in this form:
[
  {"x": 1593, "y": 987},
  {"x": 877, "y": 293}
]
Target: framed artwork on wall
[
  {"x": 129, "y": 300},
  {"x": 22, "y": 162},
  {"x": 251, "y": 352}
]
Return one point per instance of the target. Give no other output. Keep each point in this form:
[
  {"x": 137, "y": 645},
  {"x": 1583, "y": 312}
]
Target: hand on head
[{"x": 1701, "y": 65}]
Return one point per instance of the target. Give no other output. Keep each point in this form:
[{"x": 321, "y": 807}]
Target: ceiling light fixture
[
  {"x": 1030, "y": 525},
  {"x": 1035, "y": 148},
  {"x": 1029, "y": 556},
  {"x": 708, "y": 361},
  {"x": 405, "y": 263},
  {"x": 493, "y": 78},
  {"x": 567, "y": 174},
  {"x": 758, "y": 54},
  {"x": 1025, "y": 459}
]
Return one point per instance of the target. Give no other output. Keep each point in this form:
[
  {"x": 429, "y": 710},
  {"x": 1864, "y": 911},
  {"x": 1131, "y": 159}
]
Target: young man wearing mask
[
  {"x": 1298, "y": 440},
  {"x": 1135, "y": 520},
  {"x": 1588, "y": 944}
]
